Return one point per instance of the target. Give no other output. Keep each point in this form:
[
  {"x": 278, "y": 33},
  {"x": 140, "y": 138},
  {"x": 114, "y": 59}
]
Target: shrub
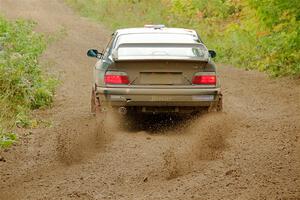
[{"x": 23, "y": 86}]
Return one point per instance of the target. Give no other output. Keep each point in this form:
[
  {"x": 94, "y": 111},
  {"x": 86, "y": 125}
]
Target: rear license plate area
[{"x": 161, "y": 78}]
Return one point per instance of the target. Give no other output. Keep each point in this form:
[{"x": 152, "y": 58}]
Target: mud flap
[
  {"x": 96, "y": 108},
  {"x": 218, "y": 105},
  {"x": 93, "y": 102},
  {"x": 99, "y": 112}
]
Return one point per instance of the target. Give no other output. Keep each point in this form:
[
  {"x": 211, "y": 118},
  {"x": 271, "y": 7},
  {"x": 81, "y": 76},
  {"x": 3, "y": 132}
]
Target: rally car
[{"x": 155, "y": 69}]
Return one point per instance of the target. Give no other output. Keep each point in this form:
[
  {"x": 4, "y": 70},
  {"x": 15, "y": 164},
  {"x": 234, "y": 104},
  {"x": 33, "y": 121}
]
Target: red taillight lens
[
  {"x": 205, "y": 80},
  {"x": 116, "y": 78}
]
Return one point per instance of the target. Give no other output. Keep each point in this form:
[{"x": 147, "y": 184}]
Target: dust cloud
[
  {"x": 203, "y": 140},
  {"x": 82, "y": 138}
]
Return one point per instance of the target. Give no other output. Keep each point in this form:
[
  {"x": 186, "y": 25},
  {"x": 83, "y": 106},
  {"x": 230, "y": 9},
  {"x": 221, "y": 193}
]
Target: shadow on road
[{"x": 155, "y": 123}]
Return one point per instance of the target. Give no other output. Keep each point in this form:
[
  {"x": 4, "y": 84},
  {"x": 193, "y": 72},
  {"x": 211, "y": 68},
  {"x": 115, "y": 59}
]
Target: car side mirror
[
  {"x": 94, "y": 53},
  {"x": 212, "y": 53}
]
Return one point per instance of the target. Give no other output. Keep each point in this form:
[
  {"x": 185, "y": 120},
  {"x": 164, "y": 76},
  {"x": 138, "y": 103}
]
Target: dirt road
[{"x": 251, "y": 151}]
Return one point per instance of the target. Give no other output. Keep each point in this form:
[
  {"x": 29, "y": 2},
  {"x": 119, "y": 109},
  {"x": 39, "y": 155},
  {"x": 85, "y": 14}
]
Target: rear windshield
[
  {"x": 156, "y": 38},
  {"x": 198, "y": 51}
]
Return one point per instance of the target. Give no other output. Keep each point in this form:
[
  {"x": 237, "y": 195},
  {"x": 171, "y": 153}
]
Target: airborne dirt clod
[{"x": 251, "y": 151}]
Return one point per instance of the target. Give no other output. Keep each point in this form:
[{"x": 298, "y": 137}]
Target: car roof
[
  {"x": 156, "y": 30},
  {"x": 180, "y": 35}
]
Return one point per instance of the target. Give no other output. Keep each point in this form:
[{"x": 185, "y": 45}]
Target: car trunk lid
[{"x": 161, "y": 72}]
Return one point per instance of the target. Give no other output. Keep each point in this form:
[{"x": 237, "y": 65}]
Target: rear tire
[
  {"x": 219, "y": 106},
  {"x": 95, "y": 104}
]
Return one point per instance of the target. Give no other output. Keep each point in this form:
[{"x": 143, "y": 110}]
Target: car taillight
[
  {"x": 204, "y": 80},
  {"x": 113, "y": 77}
]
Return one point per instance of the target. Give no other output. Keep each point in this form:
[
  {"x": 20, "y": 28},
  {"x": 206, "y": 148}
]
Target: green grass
[
  {"x": 7, "y": 139},
  {"x": 23, "y": 85},
  {"x": 245, "y": 33}
]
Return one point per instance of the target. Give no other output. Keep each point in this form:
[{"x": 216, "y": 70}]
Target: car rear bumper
[{"x": 181, "y": 97}]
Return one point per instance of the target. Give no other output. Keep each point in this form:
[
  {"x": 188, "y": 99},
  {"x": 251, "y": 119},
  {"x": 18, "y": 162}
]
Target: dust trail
[
  {"x": 171, "y": 166},
  {"x": 209, "y": 135},
  {"x": 82, "y": 138},
  {"x": 204, "y": 140}
]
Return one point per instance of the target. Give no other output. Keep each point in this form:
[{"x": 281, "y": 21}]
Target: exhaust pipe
[{"x": 122, "y": 110}]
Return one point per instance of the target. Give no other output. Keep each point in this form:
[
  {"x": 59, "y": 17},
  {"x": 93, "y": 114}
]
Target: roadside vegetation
[
  {"x": 23, "y": 85},
  {"x": 253, "y": 34}
]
